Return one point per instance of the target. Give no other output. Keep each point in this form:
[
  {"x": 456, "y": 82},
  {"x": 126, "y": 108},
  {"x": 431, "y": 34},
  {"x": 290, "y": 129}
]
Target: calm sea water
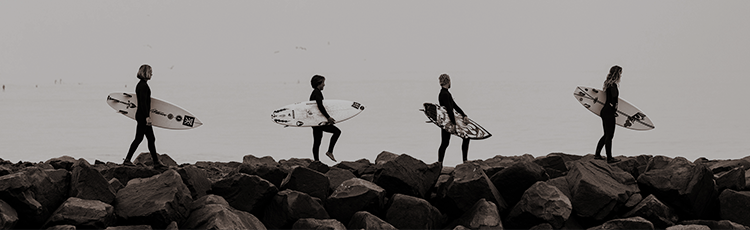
[{"x": 525, "y": 113}]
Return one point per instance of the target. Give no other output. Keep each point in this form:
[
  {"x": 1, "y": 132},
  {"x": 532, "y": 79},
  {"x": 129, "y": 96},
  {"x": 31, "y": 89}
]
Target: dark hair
[
  {"x": 613, "y": 77},
  {"x": 316, "y": 80},
  {"x": 143, "y": 71}
]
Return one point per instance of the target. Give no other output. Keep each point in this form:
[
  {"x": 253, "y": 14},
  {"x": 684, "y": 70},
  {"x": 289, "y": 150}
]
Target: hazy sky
[{"x": 103, "y": 40}]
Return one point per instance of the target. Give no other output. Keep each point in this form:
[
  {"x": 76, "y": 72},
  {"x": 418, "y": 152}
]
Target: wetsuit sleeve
[
  {"x": 446, "y": 100},
  {"x": 317, "y": 96},
  {"x": 613, "y": 95},
  {"x": 143, "y": 94}
]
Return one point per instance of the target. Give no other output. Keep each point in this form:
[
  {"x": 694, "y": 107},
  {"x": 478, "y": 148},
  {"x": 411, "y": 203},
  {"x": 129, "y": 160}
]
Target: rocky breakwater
[{"x": 397, "y": 191}]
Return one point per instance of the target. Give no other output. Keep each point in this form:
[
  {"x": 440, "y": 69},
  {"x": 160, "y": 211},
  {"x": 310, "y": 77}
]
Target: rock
[
  {"x": 306, "y": 180},
  {"x": 541, "y": 203},
  {"x": 287, "y": 165},
  {"x": 172, "y": 226},
  {"x": 497, "y": 163},
  {"x": 15, "y": 189},
  {"x": 408, "y": 212},
  {"x": 8, "y": 216},
  {"x": 125, "y": 173},
  {"x": 734, "y": 206},
  {"x": 634, "y": 165},
  {"x": 248, "y": 193},
  {"x": 384, "y": 157},
  {"x": 85, "y": 214},
  {"x": 319, "y": 166},
  {"x": 688, "y": 188},
  {"x": 359, "y": 167},
  {"x": 554, "y": 165},
  {"x": 49, "y": 191},
  {"x": 355, "y": 195},
  {"x": 213, "y": 212},
  {"x": 5, "y": 170},
  {"x": 310, "y": 223},
  {"x": 713, "y": 224},
  {"x": 657, "y": 162},
  {"x": 130, "y": 227},
  {"x": 543, "y": 226},
  {"x": 63, "y": 162},
  {"x": 368, "y": 221},
  {"x": 196, "y": 180},
  {"x": 62, "y": 227},
  {"x": 483, "y": 215},
  {"x": 598, "y": 189},
  {"x": 88, "y": 184},
  {"x": 561, "y": 183},
  {"x": 625, "y": 224},
  {"x": 468, "y": 185},
  {"x": 218, "y": 170},
  {"x": 116, "y": 185},
  {"x": 720, "y": 166},
  {"x": 733, "y": 179},
  {"x": 689, "y": 227},
  {"x": 288, "y": 206},
  {"x": 145, "y": 158},
  {"x": 157, "y": 200},
  {"x": 253, "y": 160},
  {"x": 653, "y": 210},
  {"x": 407, "y": 175},
  {"x": 514, "y": 180},
  {"x": 265, "y": 168},
  {"x": 336, "y": 176}
]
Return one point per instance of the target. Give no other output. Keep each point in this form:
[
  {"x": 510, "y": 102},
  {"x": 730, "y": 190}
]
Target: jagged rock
[
  {"x": 368, "y": 221},
  {"x": 407, "y": 175},
  {"x": 5, "y": 170},
  {"x": 88, "y": 184},
  {"x": 172, "y": 226},
  {"x": 62, "y": 227},
  {"x": 218, "y": 170},
  {"x": 655, "y": 211},
  {"x": 84, "y": 214},
  {"x": 319, "y": 166},
  {"x": 264, "y": 167},
  {"x": 384, "y": 157},
  {"x": 561, "y": 183},
  {"x": 288, "y": 206},
  {"x": 720, "y": 166},
  {"x": 713, "y": 224},
  {"x": 468, "y": 185},
  {"x": 8, "y": 216},
  {"x": 248, "y": 193},
  {"x": 625, "y": 224},
  {"x": 116, "y": 184},
  {"x": 15, "y": 190},
  {"x": 359, "y": 167},
  {"x": 483, "y": 215},
  {"x": 63, "y": 162},
  {"x": 634, "y": 165},
  {"x": 130, "y": 227},
  {"x": 598, "y": 189},
  {"x": 306, "y": 180},
  {"x": 514, "y": 180},
  {"x": 196, "y": 180},
  {"x": 288, "y": 164},
  {"x": 355, "y": 195},
  {"x": 145, "y": 158},
  {"x": 657, "y": 162},
  {"x": 408, "y": 212},
  {"x": 336, "y": 176},
  {"x": 497, "y": 163},
  {"x": 734, "y": 206},
  {"x": 157, "y": 200},
  {"x": 310, "y": 223},
  {"x": 688, "y": 188},
  {"x": 689, "y": 227},
  {"x": 49, "y": 192},
  {"x": 213, "y": 212},
  {"x": 554, "y": 165},
  {"x": 733, "y": 179},
  {"x": 541, "y": 203},
  {"x": 542, "y": 226},
  {"x": 125, "y": 173}
]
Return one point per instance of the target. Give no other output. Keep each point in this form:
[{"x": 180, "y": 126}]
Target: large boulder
[
  {"x": 714, "y": 224},
  {"x": 49, "y": 188},
  {"x": 288, "y": 206},
  {"x": 156, "y": 201},
  {"x": 554, "y": 165},
  {"x": 218, "y": 170},
  {"x": 734, "y": 206},
  {"x": 733, "y": 179},
  {"x": 8, "y": 216},
  {"x": 407, "y": 175},
  {"x": 306, "y": 180},
  {"x": 85, "y": 214},
  {"x": 126, "y": 173},
  {"x": 196, "y": 180},
  {"x": 688, "y": 188},
  {"x": 88, "y": 184},
  {"x": 498, "y": 163},
  {"x": 336, "y": 176},
  {"x": 248, "y": 193},
  {"x": 355, "y": 195},
  {"x": 634, "y": 165},
  {"x": 409, "y": 212},
  {"x": 288, "y": 164},
  {"x": 359, "y": 167},
  {"x": 368, "y": 221},
  {"x": 265, "y": 167},
  {"x": 625, "y": 224},
  {"x": 145, "y": 158},
  {"x": 466, "y": 185},
  {"x": 310, "y": 223},
  {"x": 514, "y": 180},
  {"x": 63, "y": 162},
  {"x": 541, "y": 203},
  {"x": 15, "y": 190},
  {"x": 653, "y": 210},
  {"x": 213, "y": 212},
  {"x": 688, "y": 227},
  {"x": 599, "y": 190},
  {"x": 483, "y": 215}
]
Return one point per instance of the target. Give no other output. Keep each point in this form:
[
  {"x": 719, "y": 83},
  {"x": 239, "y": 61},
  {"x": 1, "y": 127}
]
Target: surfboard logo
[{"x": 189, "y": 121}]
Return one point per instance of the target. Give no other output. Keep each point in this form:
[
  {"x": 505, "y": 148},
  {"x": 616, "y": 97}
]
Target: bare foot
[{"x": 330, "y": 155}]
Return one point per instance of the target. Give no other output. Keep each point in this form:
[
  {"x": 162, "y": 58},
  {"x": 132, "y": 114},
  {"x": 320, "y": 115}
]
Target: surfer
[
  {"x": 318, "y": 83},
  {"x": 608, "y": 113},
  {"x": 144, "y": 128},
  {"x": 446, "y": 100}
]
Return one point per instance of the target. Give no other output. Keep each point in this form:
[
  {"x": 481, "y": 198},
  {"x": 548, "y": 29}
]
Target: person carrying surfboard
[
  {"x": 446, "y": 100},
  {"x": 318, "y": 82},
  {"x": 609, "y": 112},
  {"x": 142, "y": 116}
]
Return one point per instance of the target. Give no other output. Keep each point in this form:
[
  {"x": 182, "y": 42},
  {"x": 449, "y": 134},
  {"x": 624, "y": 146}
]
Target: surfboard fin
[
  {"x": 123, "y": 112},
  {"x": 127, "y": 95},
  {"x": 286, "y": 126},
  {"x": 428, "y": 122}
]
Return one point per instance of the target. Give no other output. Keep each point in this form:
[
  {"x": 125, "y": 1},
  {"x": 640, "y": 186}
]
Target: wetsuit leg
[
  {"x": 608, "y": 125},
  {"x": 445, "y": 139},
  {"x": 317, "y": 137},
  {"x": 336, "y": 133},
  {"x": 465, "y": 149},
  {"x": 139, "y": 133},
  {"x": 149, "y": 133}
]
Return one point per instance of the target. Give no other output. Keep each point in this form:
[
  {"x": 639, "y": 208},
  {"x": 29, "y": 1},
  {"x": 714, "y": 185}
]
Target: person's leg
[
  {"x": 336, "y": 133},
  {"x": 139, "y": 133},
  {"x": 609, "y": 134},
  {"x": 465, "y": 149},
  {"x": 149, "y": 132},
  {"x": 317, "y": 137},
  {"x": 445, "y": 139}
]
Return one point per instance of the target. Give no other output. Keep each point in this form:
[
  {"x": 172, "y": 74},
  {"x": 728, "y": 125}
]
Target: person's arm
[
  {"x": 446, "y": 100},
  {"x": 318, "y": 98}
]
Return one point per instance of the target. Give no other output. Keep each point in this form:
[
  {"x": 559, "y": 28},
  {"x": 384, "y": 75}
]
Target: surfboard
[
  {"x": 439, "y": 116},
  {"x": 163, "y": 114},
  {"x": 627, "y": 116},
  {"x": 307, "y": 114}
]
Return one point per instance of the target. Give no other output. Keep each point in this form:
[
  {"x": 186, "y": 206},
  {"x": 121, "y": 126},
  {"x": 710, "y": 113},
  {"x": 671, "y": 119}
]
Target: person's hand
[
  {"x": 466, "y": 119},
  {"x": 331, "y": 121},
  {"x": 148, "y": 121},
  {"x": 450, "y": 127}
]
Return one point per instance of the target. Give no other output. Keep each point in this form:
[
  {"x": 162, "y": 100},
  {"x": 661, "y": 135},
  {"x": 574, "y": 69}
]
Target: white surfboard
[
  {"x": 439, "y": 116},
  {"x": 163, "y": 114},
  {"x": 627, "y": 115},
  {"x": 307, "y": 114}
]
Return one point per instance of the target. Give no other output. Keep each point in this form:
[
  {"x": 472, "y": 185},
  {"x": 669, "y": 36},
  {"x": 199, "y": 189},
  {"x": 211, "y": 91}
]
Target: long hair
[
  {"x": 316, "y": 80},
  {"x": 613, "y": 77},
  {"x": 143, "y": 71}
]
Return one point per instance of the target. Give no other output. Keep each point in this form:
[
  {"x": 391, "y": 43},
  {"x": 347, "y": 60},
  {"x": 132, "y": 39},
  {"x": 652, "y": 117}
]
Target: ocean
[{"x": 526, "y": 113}]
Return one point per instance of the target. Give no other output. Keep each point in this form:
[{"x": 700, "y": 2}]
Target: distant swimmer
[
  {"x": 608, "y": 113},
  {"x": 142, "y": 116},
  {"x": 318, "y": 83}
]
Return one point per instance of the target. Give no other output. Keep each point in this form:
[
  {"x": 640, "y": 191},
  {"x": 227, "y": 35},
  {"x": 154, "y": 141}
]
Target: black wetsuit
[
  {"x": 446, "y": 100},
  {"x": 317, "y": 96},
  {"x": 143, "y": 94},
  {"x": 608, "y": 120}
]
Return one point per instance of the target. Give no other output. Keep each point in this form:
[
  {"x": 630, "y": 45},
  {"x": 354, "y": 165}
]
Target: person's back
[{"x": 143, "y": 93}]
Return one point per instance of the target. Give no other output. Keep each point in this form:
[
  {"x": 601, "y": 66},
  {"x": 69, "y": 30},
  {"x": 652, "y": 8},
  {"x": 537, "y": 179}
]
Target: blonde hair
[
  {"x": 444, "y": 79},
  {"x": 613, "y": 77},
  {"x": 143, "y": 71}
]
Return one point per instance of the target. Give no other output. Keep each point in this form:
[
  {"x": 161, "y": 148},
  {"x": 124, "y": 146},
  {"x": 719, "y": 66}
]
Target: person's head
[
  {"x": 613, "y": 78},
  {"x": 144, "y": 73},
  {"x": 318, "y": 82},
  {"x": 445, "y": 81}
]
